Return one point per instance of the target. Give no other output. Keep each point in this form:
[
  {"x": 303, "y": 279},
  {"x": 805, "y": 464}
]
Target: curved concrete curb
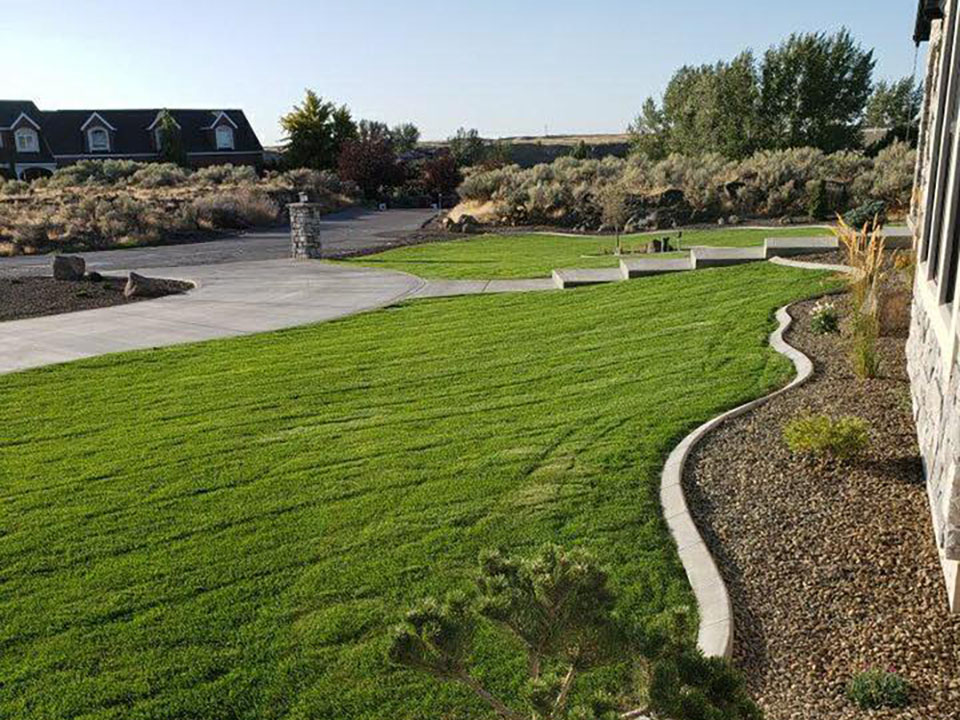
[{"x": 715, "y": 636}]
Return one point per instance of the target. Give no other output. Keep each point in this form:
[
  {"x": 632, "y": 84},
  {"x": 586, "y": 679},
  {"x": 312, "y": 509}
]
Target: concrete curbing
[
  {"x": 716, "y": 631},
  {"x": 715, "y": 636}
]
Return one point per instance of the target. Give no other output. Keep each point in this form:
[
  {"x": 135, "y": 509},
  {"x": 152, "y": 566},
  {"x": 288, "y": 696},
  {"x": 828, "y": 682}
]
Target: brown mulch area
[
  {"x": 32, "y": 296},
  {"x": 831, "y": 569}
]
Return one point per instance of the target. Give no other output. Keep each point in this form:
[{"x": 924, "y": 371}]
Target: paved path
[
  {"x": 350, "y": 230},
  {"x": 231, "y": 299}
]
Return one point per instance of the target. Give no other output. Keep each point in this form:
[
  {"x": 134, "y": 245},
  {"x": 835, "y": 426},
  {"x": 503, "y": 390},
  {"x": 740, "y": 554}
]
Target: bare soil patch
[
  {"x": 33, "y": 296},
  {"x": 832, "y": 568}
]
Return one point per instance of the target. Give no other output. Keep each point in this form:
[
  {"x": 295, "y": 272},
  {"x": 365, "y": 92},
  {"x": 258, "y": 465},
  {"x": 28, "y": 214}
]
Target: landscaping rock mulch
[
  {"x": 26, "y": 297},
  {"x": 831, "y": 568}
]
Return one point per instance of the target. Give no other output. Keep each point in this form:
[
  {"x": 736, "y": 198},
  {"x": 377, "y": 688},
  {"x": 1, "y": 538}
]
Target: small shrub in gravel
[
  {"x": 875, "y": 689},
  {"x": 824, "y": 437},
  {"x": 824, "y": 318}
]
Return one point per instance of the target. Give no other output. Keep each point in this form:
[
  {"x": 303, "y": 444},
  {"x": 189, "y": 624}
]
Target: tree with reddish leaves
[
  {"x": 440, "y": 176},
  {"x": 371, "y": 164}
]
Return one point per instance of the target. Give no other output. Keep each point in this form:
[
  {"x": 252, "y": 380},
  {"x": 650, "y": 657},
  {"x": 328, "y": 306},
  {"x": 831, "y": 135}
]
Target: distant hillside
[{"x": 530, "y": 150}]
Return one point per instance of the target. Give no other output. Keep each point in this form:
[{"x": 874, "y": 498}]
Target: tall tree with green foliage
[
  {"x": 467, "y": 147},
  {"x": 171, "y": 148},
  {"x": 316, "y": 132},
  {"x": 405, "y": 137},
  {"x": 814, "y": 92},
  {"x": 894, "y": 104},
  {"x": 811, "y": 90}
]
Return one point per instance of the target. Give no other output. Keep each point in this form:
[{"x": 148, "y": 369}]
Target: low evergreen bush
[
  {"x": 875, "y": 689},
  {"x": 824, "y": 437}
]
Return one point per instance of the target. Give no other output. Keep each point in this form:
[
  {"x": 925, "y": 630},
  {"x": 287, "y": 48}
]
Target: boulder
[
  {"x": 142, "y": 286},
  {"x": 69, "y": 267},
  {"x": 94, "y": 276}
]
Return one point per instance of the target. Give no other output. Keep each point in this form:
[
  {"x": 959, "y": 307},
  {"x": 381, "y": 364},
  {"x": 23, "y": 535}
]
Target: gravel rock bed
[
  {"x": 26, "y": 297},
  {"x": 833, "y": 568}
]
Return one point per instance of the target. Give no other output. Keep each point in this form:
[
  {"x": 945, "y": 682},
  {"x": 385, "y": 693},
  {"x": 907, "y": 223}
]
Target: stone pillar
[{"x": 305, "y": 231}]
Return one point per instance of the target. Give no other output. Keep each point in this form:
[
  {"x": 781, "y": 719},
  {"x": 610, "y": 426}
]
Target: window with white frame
[
  {"x": 27, "y": 140},
  {"x": 98, "y": 139},
  {"x": 224, "y": 136},
  {"x": 941, "y": 233}
]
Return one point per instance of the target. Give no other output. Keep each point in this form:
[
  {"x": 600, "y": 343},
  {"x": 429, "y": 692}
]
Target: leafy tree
[
  {"x": 405, "y": 137},
  {"x": 316, "y": 132},
  {"x": 560, "y": 609},
  {"x": 172, "y": 149},
  {"x": 467, "y": 147},
  {"x": 373, "y": 131},
  {"x": 615, "y": 209},
  {"x": 711, "y": 107},
  {"x": 371, "y": 164},
  {"x": 815, "y": 88},
  {"x": 439, "y": 175},
  {"x": 894, "y": 104}
]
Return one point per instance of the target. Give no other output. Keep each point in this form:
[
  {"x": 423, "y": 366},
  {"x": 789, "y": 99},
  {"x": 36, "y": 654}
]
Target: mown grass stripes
[
  {"x": 226, "y": 530},
  {"x": 531, "y": 256}
]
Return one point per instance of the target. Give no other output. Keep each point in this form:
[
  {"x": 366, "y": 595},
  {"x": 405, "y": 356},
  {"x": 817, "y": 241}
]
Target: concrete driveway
[
  {"x": 230, "y": 299},
  {"x": 351, "y": 230}
]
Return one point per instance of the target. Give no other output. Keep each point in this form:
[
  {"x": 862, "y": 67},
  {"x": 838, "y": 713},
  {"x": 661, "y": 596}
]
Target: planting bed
[
  {"x": 26, "y": 297},
  {"x": 831, "y": 569}
]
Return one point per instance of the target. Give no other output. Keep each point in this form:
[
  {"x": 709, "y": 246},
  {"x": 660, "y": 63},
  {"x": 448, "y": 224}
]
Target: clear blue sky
[{"x": 506, "y": 67}]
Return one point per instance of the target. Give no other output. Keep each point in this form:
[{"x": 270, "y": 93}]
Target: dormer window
[
  {"x": 224, "y": 135},
  {"x": 98, "y": 139},
  {"x": 27, "y": 140}
]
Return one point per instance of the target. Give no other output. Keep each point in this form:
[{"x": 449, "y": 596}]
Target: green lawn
[
  {"x": 227, "y": 530},
  {"x": 529, "y": 256}
]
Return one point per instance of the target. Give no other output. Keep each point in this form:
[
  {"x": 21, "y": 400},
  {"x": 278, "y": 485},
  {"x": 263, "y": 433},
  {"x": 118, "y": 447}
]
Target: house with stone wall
[{"x": 932, "y": 348}]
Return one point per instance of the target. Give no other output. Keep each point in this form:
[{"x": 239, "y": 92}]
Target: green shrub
[
  {"x": 156, "y": 175},
  {"x": 866, "y": 215},
  {"x": 824, "y": 437},
  {"x": 225, "y": 175},
  {"x": 824, "y": 318},
  {"x": 14, "y": 187},
  {"x": 817, "y": 199},
  {"x": 235, "y": 209},
  {"x": 94, "y": 172},
  {"x": 875, "y": 689}
]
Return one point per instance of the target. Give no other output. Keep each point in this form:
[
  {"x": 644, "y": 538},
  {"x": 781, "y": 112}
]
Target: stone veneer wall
[
  {"x": 935, "y": 387},
  {"x": 305, "y": 231}
]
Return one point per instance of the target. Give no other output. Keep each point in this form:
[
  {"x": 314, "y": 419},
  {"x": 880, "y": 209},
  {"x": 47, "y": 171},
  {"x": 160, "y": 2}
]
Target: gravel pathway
[{"x": 830, "y": 569}]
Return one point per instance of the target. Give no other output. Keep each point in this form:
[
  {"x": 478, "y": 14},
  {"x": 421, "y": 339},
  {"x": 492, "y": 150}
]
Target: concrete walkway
[{"x": 230, "y": 299}]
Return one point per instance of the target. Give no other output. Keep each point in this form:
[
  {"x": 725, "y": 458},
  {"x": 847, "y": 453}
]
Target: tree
[
  {"x": 316, "y": 132},
  {"x": 466, "y": 147},
  {"x": 405, "y": 137},
  {"x": 170, "y": 140},
  {"x": 497, "y": 154},
  {"x": 559, "y": 608},
  {"x": 371, "y": 164},
  {"x": 439, "y": 175},
  {"x": 711, "y": 108},
  {"x": 895, "y": 104},
  {"x": 614, "y": 209},
  {"x": 373, "y": 131},
  {"x": 814, "y": 92}
]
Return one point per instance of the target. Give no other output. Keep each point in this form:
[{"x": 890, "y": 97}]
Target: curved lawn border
[{"x": 715, "y": 635}]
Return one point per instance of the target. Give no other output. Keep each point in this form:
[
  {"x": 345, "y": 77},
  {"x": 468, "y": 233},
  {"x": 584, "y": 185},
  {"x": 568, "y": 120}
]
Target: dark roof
[
  {"x": 62, "y": 129},
  {"x": 927, "y": 12},
  {"x": 10, "y": 110}
]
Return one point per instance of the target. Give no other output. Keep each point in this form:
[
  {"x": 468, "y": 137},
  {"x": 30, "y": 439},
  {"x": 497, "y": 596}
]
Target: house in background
[
  {"x": 932, "y": 350},
  {"x": 34, "y": 143}
]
